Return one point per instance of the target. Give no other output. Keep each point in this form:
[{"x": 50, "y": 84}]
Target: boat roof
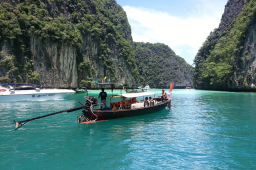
[
  {"x": 14, "y": 84},
  {"x": 131, "y": 95}
]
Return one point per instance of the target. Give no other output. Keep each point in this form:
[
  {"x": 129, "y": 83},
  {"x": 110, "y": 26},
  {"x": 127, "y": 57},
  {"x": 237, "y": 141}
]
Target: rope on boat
[{"x": 93, "y": 113}]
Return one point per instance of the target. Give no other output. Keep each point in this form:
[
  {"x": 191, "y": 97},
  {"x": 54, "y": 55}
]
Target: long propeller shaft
[{"x": 23, "y": 122}]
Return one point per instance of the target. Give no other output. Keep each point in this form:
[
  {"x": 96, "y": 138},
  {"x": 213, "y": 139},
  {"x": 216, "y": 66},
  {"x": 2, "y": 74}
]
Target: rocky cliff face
[
  {"x": 64, "y": 44},
  {"x": 232, "y": 10},
  {"x": 245, "y": 76},
  {"x": 226, "y": 61},
  {"x": 159, "y": 66},
  {"x": 55, "y": 63},
  {"x": 71, "y": 43}
]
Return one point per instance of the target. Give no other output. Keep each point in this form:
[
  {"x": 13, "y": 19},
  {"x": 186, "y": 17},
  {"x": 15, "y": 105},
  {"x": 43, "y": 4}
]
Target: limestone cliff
[
  {"x": 65, "y": 43},
  {"x": 227, "y": 59},
  {"x": 159, "y": 66},
  {"x": 71, "y": 43}
]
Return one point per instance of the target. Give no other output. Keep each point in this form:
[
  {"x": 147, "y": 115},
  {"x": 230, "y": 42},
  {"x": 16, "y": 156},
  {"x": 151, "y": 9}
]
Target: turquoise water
[{"x": 203, "y": 130}]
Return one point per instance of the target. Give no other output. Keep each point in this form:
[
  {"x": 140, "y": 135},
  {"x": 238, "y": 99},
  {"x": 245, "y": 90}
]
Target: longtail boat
[
  {"x": 126, "y": 108},
  {"x": 119, "y": 110}
]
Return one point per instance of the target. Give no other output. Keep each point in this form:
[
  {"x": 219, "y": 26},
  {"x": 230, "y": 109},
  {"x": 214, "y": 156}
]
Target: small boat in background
[
  {"x": 82, "y": 90},
  {"x": 133, "y": 91},
  {"x": 26, "y": 91},
  {"x": 146, "y": 87}
]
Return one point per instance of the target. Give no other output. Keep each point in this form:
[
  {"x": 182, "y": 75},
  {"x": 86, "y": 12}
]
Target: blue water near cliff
[{"x": 203, "y": 130}]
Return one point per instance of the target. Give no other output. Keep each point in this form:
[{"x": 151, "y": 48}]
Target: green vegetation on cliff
[
  {"x": 40, "y": 38},
  {"x": 159, "y": 66},
  {"x": 221, "y": 54},
  {"x": 63, "y": 22}
]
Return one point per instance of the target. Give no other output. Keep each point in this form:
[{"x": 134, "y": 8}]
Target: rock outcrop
[
  {"x": 226, "y": 61},
  {"x": 64, "y": 44},
  {"x": 159, "y": 66},
  {"x": 71, "y": 43}
]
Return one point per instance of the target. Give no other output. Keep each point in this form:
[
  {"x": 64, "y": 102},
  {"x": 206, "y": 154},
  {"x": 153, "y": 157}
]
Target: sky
[{"x": 183, "y": 25}]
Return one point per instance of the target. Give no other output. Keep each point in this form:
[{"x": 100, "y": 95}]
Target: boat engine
[{"x": 90, "y": 102}]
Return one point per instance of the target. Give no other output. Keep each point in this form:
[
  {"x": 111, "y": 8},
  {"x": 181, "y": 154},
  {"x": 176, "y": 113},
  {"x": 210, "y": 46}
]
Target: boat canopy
[
  {"x": 102, "y": 85},
  {"x": 131, "y": 95}
]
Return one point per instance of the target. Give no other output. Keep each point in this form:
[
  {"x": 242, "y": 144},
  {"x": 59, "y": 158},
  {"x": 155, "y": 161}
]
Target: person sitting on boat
[
  {"x": 146, "y": 102},
  {"x": 133, "y": 100},
  {"x": 163, "y": 95},
  {"x": 151, "y": 101},
  {"x": 125, "y": 103},
  {"x": 103, "y": 96},
  {"x": 122, "y": 103},
  {"x": 114, "y": 107}
]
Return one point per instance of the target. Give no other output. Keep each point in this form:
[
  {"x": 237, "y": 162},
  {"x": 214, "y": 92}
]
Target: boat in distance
[
  {"x": 82, "y": 90},
  {"x": 147, "y": 87},
  {"x": 26, "y": 91},
  {"x": 133, "y": 91},
  {"x": 90, "y": 114}
]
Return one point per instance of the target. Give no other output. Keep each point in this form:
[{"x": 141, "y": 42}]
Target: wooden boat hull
[{"x": 115, "y": 114}]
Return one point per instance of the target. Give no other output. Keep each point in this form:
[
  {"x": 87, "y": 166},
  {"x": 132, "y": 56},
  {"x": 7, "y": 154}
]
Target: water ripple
[{"x": 203, "y": 130}]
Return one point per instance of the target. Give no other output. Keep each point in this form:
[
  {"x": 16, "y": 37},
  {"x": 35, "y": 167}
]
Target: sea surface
[{"x": 202, "y": 130}]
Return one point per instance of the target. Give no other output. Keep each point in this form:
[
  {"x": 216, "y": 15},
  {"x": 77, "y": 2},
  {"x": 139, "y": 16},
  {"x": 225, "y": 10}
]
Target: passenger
[
  {"x": 114, "y": 108},
  {"x": 163, "y": 95},
  {"x": 127, "y": 104},
  {"x": 146, "y": 102},
  {"x": 151, "y": 101},
  {"x": 134, "y": 100},
  {"x": 103, "y": 96},
  {"x": 123, "y": 103}
]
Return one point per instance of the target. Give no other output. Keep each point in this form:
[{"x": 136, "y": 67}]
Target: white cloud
[{"x": 183, "y": 36}]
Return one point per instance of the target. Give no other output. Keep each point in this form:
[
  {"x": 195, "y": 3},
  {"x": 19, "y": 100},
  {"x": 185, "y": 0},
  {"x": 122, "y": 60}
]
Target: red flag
[{"x": 171, "y": 86}]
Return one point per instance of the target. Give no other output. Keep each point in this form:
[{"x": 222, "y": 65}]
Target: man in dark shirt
[{"x": 103, "y": 96}]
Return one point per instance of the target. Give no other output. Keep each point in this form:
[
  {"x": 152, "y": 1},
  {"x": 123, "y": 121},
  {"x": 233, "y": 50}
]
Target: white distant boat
[
  {"x": 146, "y": 87},
  {"x": 25, "y": 91}
]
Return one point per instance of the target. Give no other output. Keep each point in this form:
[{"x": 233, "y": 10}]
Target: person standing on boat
[
  {"x": 42, "y": 86},
  {"x": 163, "y": 95},
  {"x": 103, "y": 96}
]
